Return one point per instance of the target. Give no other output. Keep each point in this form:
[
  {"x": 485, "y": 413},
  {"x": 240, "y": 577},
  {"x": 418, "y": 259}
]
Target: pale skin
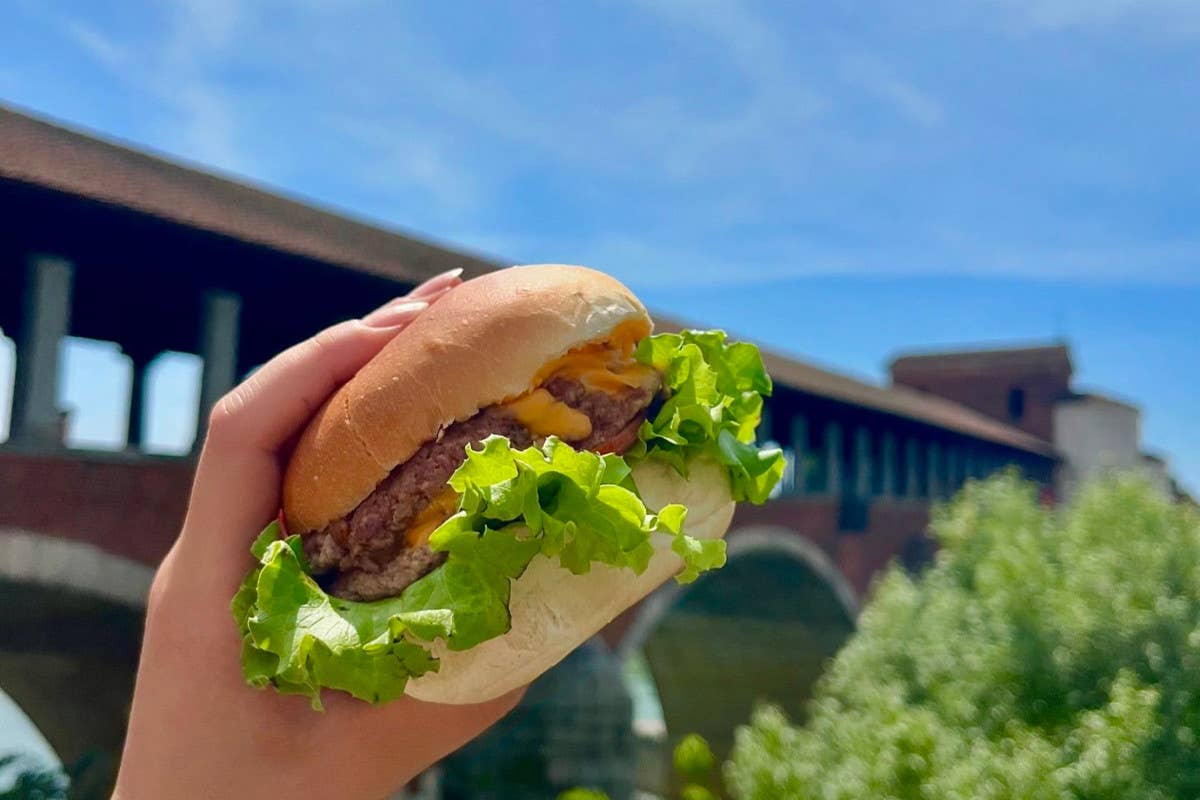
[{"x": 196, "y": 729}]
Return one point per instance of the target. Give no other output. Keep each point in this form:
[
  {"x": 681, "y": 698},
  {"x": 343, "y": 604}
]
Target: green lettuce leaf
[
  {"x": 714, "y": 404},
  {"x": 571, "y": 505},
  {"x": 577, "y": 507}
]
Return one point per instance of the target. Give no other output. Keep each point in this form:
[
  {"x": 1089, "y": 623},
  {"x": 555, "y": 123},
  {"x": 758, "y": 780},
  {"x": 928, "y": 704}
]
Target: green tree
[
  {"x": 33, "y": 781},
  {"x": 1045, "y": 655},
  {"x": 695, "y": 764}
]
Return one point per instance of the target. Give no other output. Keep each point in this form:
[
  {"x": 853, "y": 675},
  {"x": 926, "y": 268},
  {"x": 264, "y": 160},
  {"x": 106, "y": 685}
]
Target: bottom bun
[{"x": 553, "y": 611}]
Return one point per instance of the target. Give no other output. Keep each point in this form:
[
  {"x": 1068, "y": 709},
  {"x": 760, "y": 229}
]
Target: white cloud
[
  {"x": 645, "y": 263},
  {"x": 398, "y": 156},
  {"x": 203, "y": 25},
  {"x": 98, "y": 45},
  {"x": 1167, "y": 17},
  {"x": 205, "y": 128},
  {"x": 882, "y": 80},
  {"x": 758, "y": 131},
  {"x": 753, "y": 45},
  {"x": 199, "y": 123}
]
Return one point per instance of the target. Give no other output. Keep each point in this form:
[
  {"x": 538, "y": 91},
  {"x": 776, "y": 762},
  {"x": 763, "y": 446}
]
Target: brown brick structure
[
  {"x": 1017, "y": 386},
  {"x": 129, "y": 507}
]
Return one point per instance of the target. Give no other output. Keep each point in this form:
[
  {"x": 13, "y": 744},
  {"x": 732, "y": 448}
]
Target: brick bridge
[{"x": 105, "y": 243}]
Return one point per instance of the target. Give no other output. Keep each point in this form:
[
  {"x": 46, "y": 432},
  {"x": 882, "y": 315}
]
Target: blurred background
[{"x": 963, "y": 233}]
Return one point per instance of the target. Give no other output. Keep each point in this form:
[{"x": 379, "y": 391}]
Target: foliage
[
  {"x": 1045, "y": 655},
  {"x": 694, "y": 763},
  {"x": 583, "y": 794},
  {"x": 33, "y": 782},
  {"x": 89, "y": 777},
  {"x": 696, "y": 766}
]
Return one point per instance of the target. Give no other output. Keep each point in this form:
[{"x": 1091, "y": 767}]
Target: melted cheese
[
  {"x": 604, "y": 367},
  {"x": 544, "y": 415},
  {"x": 604, "y": 370},
  {"x": 438, "y": 511}
]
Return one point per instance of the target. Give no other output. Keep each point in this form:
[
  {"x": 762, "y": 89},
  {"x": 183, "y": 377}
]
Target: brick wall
[
  {"x": 133, "y": 507},
  {"x": 129, "y": 506},
  {"x": 860, "y": 556},
  {"x": 988, "y": 393}
]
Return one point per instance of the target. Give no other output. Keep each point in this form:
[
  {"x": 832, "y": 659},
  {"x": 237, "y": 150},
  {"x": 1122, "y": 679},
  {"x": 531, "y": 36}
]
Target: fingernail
[
  {"x": 395, "y": 313},
  {"x": 444, "y": 277}
]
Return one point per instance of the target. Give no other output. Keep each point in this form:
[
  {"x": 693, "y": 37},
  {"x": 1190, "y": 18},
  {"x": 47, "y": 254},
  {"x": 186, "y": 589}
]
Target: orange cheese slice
[
  {"x": 440, "y": 509},
  {"x": 544, "y": 415}
]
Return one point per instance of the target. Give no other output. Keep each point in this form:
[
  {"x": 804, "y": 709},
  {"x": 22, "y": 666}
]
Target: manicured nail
[
  {"x": 448, "y": 276},
  {"x": 395, "y": 313}
]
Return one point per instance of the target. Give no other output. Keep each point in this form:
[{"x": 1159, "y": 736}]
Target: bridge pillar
[
  {"x": 953, "y": 470},
  {"x": 218, "y": 348},
  {"x": 47, "y": 320},
  {"x": 833, "y": 459},
  {"x": 135, "y": 429},
  {"x": 887, "y": 457},
  {"x": 911, "y": 469},
  {"x": 765, "y": 427},
  {"x": 933, "y": 470},
  {"x": 799, "y": 454},
  {"x": 862, "y": 462}
]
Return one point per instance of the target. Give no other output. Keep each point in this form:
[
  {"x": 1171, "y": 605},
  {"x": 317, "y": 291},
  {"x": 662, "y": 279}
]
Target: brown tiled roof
[
  {"x": 1055, "y": 357},
  {"x": 894, "y": 400},
  {"x": 49, "y": 155}
]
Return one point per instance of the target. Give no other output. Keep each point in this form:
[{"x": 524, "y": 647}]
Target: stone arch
[
  {"x": 28, "y": 557},
  {"x": 73, "y": 620},
  {"x": 739, "y": 542},
  {"x": 761, "y": 629}
]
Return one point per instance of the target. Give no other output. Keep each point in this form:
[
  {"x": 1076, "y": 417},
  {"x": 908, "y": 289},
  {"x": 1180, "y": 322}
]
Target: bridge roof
[
  {"x": 55, "y": 157},
  {"x": 903, "y": 402},
  {"x": 1048, "y": 357},
  {"x": 60, "y": 159},
  {"x": 897, "y": 401}
]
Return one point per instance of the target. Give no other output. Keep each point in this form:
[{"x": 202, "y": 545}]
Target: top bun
[{"x": 480, "y": 344}]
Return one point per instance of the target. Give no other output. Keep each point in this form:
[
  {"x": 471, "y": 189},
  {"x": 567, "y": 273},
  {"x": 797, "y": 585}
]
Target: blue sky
[{"x": 841, "y": 180}]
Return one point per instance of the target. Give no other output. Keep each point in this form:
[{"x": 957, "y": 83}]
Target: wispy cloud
[
  {"x": 399, "y": 156},
  {"x": 746, "y": 39},
  {"x": 776, "y": 105},
  {"x": 812, "y": 152},
  {"x": 205, "y": 124},
  {"x": 1164, "y": 17},
  {"x": 200, "y": 123},
  {"x": 205, "y": 127},
  {"x": 783, "y": 258},
  {"x": 96, "y": 44},
  {"x": 203, "y": 25},
  {"x": 884, "y": 82}
]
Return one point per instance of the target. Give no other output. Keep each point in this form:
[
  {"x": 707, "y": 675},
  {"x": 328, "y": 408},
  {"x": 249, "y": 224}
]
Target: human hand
[{"x": 197, "y": 730}]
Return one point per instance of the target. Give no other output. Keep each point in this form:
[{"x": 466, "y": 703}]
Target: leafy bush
[
  {"x": 1045, "y": 655},
  {"x": 694, "y": 762},
  {"x": 33, "y": 781}
]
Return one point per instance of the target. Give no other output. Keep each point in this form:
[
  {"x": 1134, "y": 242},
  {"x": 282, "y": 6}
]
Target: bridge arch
[
  {"x": 760, "y": 629},
  {"x": 72, "y": 629},
  {"x": 49, "y": 561},
  {"x": 751, "y": 539}
]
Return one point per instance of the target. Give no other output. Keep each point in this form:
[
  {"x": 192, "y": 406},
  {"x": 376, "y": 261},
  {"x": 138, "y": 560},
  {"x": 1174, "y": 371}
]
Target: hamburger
[{"x": 521, "y": 464}]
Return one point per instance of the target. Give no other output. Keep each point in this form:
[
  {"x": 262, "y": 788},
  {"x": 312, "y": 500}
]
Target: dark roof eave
[
  {"x": 50, "y": 156},
  {"x": 893, "y": 401}
]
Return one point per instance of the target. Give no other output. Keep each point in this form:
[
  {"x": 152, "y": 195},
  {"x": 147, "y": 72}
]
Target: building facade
[{"x": 1031, "y": 388}]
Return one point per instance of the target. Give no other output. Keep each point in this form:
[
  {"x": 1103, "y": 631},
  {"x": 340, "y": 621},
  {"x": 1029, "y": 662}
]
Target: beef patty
[{"x": 367, "y": 546}]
